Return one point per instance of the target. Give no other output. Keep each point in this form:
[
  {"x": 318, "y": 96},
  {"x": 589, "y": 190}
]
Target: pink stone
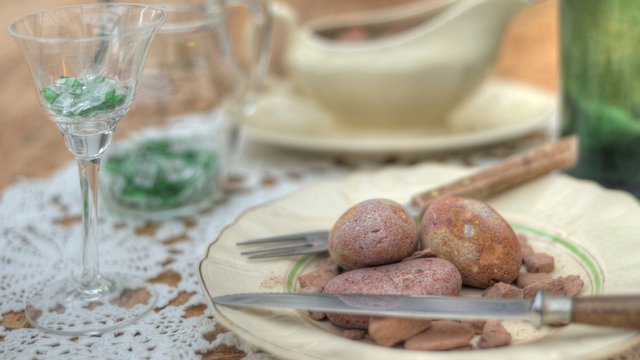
[
  {"x": 503, "y": 290},
  {"x": 525, "y": 279},
  {"x": 441, "y": 335},
  {"x": 539, "y": 263},
  {"x": 388, "y": 331},
  {"x": 494, "y": 335}
]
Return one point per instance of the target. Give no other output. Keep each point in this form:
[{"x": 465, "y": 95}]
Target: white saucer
[{"x": 500, "y": 110}]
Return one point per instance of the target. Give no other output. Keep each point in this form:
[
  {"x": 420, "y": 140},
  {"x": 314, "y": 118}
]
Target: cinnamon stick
[{"x": 506, "y": 173}]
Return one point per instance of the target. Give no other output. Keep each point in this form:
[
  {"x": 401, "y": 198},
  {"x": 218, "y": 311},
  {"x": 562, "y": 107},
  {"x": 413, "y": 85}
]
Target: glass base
[
  {"x": 182, "y": 211},
  {"x": 118, "y": 300},
  {"x": 163, "y": 177}
]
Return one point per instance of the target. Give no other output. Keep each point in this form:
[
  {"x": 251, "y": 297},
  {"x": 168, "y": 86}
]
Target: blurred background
[{"x": 32, "y": 147}]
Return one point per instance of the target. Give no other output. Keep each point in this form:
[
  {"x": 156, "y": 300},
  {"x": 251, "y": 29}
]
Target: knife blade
[{"x": 544, "y": 309}]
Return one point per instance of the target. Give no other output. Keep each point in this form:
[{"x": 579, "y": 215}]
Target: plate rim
[{"x": 376, "y": 143}]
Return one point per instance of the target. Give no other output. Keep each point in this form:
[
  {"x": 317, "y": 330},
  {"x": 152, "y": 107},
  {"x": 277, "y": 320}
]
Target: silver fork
[
  {"x": 502, "y": 175},
  {"x": 287, "y": 245}
]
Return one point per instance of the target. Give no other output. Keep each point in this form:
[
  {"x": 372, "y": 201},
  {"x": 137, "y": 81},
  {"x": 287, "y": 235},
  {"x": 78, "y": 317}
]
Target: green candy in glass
[
  {"x": 161, "y": 173},
  {"x": 194, "y": 94}
]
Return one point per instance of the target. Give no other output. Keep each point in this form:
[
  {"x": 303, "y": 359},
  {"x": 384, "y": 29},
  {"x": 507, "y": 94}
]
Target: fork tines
[{"x": 286, "y": 245}]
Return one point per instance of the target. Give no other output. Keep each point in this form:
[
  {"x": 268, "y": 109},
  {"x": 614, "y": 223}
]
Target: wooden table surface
[{"x": 31, "y": 146}]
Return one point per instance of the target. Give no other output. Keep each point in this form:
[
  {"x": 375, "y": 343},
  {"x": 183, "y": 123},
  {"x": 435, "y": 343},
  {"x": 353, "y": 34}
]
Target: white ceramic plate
[
  {"x": 500, "y": 110},
  {"x": 591, "y": 232}
]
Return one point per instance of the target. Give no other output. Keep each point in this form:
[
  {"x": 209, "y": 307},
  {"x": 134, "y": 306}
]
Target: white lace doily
[{"x": 40, "y": 236}]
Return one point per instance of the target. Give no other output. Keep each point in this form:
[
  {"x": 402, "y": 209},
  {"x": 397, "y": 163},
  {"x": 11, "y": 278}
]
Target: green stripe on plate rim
[
  {"x": 586, "y": 259},
  {"x": 293, "y": 274},
  {"x": 575, "y": 250}
]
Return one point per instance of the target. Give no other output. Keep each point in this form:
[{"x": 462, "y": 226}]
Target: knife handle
[
  {"x": 616, "y": 311},
  {"x": 506, "y": 173}
]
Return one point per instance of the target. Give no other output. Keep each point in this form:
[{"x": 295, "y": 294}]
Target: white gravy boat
[{"x": 411, "y": 78}]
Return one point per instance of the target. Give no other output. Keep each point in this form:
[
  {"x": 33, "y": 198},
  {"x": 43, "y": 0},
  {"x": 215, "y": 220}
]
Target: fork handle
[{"x": 506, "y": 173}]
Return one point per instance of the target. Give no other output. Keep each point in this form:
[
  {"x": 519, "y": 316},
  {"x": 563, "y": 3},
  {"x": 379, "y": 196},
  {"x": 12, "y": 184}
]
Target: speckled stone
[
  {"x": 474, "y": 237},
  {"x": 431, "y": 276},
  {"x": 371, "y": 233}
]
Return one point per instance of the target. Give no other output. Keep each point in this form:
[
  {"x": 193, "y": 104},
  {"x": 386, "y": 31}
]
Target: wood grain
[
  {"x": 506, "y": 173},
  {"x": 616, "y": 311}
]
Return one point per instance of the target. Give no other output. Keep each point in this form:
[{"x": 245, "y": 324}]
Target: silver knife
[{"x": 544, "y": 309}]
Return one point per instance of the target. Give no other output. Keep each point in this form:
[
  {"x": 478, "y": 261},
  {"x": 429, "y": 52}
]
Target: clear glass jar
[{"x": 174, "y": 158}]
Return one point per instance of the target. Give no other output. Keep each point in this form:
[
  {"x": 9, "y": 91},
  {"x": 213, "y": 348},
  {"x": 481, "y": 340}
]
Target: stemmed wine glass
[{"x": 85, "y": 61}]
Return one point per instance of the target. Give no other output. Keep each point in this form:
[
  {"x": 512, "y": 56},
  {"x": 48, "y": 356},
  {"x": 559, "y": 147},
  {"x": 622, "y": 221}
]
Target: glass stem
[{"x": 89, "y": 169}]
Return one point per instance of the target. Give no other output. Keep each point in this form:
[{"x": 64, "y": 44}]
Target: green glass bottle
[{"x": 600, "y": 56}]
